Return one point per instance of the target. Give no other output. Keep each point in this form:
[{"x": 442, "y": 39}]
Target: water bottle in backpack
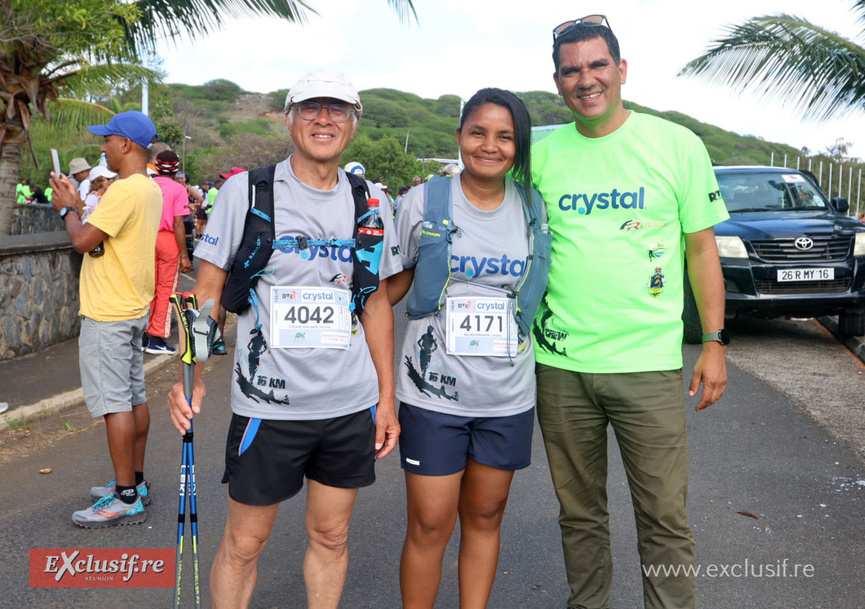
[{"x": 372, "y": 223}]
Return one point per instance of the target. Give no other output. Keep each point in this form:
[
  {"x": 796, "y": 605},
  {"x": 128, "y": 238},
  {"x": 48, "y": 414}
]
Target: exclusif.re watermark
[
  {"x": 101, "y": 568},
  {"x": 780, "y": 569}
]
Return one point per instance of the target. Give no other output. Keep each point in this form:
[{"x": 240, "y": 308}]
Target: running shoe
[
  {"x": 219, "y": 347},
  {"x": 110, "y": 511},
  {"x": 145, "y": 340},
  {"x": 100, "y": 492},
  {"x": 157, "y": 346}
]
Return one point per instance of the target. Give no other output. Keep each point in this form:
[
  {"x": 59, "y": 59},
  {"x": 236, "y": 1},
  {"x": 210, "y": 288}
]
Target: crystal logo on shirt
[
  {"x": 205, "y": 238},
  {"x": 585, "y": 203},
  {"x": 312, "y": 252},
  {"x": 474, "y": 267}
]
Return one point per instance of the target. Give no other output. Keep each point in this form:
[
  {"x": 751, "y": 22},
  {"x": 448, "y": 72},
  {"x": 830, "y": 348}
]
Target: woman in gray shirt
[{"x": 466, "y": 383}]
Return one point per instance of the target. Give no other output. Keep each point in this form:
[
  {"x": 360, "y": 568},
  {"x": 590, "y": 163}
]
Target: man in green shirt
[
  {"x": 211, "y": 196},
  {"x": 630, "y": 198},
  {"x": 23, "y": 192}
]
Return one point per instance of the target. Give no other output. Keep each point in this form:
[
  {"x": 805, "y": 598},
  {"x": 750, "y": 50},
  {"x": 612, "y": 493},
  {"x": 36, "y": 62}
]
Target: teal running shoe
[
  {"x": 110, "y": 511},
  {"x": 100, "y": 492}
]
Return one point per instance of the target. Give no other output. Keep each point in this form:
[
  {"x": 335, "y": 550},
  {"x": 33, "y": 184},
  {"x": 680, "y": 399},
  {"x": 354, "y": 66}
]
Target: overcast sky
[{"x": 460, "y": 46}]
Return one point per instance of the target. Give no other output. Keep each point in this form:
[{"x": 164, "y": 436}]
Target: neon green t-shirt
[
  {"x": 23, "y": 192},
  {"x": 618, "y": 207},
  {"x": 211, "y": 199}
]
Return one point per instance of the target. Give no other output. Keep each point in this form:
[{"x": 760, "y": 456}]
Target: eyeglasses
[
  {"x": 588, "y": 21},
  {"x": 311, "y": 110}
]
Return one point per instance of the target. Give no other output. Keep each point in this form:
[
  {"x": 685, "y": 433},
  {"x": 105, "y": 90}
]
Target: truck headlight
[
  {"x": 859, "y": 245},
  {"x": 732, "y": 247}
]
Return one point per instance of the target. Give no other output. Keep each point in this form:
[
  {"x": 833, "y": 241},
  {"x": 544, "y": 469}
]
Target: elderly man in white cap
[{"x": 313, "y": 388}]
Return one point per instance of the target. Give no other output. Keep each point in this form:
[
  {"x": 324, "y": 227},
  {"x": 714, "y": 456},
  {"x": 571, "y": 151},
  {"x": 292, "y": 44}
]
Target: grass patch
[{"x": 17, "y": 424}]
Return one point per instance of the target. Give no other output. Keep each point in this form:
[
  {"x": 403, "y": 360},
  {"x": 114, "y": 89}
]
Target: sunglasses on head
[{"x": 588, "y": 21}]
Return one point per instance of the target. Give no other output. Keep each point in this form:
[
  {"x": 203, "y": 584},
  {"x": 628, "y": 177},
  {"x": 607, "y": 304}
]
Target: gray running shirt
[
  {"x": 490, "y": 249},
  {"x": 297, "y": 384}
]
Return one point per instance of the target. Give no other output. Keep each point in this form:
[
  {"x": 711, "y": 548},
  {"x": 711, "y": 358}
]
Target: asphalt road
[{"x": 767, "y": 449}]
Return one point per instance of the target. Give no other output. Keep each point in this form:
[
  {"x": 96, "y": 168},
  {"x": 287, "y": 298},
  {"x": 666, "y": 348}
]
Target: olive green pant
[{"x": 647, "y": 413}]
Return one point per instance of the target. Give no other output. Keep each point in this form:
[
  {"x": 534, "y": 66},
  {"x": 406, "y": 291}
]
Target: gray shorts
[{"x": 112, "y": 365}]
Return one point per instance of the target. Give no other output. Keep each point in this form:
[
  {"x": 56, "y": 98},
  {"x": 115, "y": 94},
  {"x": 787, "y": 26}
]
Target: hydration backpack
[
  {"x": 433, "y": 270},
  {"x": 259, "y": 241}
]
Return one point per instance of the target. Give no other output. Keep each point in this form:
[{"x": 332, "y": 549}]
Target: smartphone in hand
[{"x": 55, "y": 162}]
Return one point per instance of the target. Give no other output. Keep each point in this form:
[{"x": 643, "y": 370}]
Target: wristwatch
[
  {"x": 66, "y": 210},
  {"x": 721, "y": 336}
]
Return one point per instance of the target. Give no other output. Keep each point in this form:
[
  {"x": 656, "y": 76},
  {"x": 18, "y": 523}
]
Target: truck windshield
[{"x": 755, "y": 192}]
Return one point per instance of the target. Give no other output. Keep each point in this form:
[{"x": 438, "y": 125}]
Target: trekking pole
[{"x": 199, "y": 331}]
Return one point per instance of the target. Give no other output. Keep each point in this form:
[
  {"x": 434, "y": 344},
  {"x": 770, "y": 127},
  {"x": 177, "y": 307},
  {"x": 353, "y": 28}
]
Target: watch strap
[
  {"x": 721, "y": 336},
  {"x": 66, "y": 210}
]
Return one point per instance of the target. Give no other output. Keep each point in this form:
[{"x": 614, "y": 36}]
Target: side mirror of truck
[{"x": 841, "y": 204}]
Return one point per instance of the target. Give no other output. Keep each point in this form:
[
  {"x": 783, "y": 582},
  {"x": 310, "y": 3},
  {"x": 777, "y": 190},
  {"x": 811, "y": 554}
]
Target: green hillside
[{"x": 225, "y": 127}]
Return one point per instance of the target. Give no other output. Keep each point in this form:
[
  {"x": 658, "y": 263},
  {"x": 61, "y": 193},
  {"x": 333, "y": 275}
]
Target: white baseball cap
[
  {"x": 324, "y": 84},
  {"x": 101, "y": 172},
  {"x": 355, "y": 168}
]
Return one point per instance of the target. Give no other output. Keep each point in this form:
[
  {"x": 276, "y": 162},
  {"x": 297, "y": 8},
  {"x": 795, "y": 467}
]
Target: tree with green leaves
[
  {"x": 55, "y": 49},
  {"x": 383, "y": 159},
  {"x": 49, "y": 50},
  {"x": 790, "y": 59}
]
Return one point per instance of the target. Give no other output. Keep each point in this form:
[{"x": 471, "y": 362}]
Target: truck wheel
[
  {"x": 851, "y": 324},
  {"x": 691, "y": 317}
]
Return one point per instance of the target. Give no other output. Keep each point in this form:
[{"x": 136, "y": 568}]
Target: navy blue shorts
[
  {"x": 436, "y": 444},
  {"x": 266, "y": 460}
]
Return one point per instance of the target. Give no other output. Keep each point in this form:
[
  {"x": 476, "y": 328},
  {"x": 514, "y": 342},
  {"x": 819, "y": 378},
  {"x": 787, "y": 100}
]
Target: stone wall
[
  {"x": 36, "y": 218},
  {"x": 38, "y": 292}
]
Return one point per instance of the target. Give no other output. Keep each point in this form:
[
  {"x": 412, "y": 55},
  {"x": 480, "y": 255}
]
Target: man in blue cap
[{"x": 117, "y": 283}]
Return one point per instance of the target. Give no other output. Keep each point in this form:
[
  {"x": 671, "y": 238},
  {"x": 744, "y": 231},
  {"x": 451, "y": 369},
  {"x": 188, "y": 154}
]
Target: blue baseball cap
[{"x": 133, "y": 125}]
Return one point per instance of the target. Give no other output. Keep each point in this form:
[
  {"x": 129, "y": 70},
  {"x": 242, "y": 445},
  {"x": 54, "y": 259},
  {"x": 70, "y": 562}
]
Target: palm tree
[
  {"x": 53, "y": 49},
  {"x": 787, "y": 58}
]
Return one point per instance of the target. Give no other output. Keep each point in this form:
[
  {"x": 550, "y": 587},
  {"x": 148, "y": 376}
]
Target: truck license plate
[{"x": 806, "y": 274}]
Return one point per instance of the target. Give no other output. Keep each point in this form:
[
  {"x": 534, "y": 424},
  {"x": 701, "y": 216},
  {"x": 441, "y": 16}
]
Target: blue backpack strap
[
  {"x": 433, "y": 270},
  {"x": 533, "y": 283}
]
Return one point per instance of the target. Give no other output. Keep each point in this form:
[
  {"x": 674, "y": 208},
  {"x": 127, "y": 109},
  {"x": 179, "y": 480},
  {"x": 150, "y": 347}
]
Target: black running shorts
[{"x": 266, "y": 460}]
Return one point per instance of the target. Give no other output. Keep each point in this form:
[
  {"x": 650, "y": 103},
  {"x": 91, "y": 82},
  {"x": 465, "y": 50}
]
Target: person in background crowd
[
  {"x": 23, "y": 192},
  {"x": 196, "y": 200},
  {"x": 397, "y": 203},
  {"x": 116, "y": 289},
  {"x": 171, "y": 255},
  {"x": 232, "y": 172},
  {"x": 100, "y": 179},
  {"x": 154, "y": 150},
  {"x": 355, "y": 168},
  {"x": 211, "y": 194},
  {"x": 79, "y": 171},
  {"x": 201, "y": 211}
]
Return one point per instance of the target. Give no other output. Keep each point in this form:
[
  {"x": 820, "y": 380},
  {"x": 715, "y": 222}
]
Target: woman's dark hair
[{"x": 522, "y": 126}]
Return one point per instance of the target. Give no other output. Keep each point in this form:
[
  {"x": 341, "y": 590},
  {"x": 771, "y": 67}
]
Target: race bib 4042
[{"x": 310, "y": 317}]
